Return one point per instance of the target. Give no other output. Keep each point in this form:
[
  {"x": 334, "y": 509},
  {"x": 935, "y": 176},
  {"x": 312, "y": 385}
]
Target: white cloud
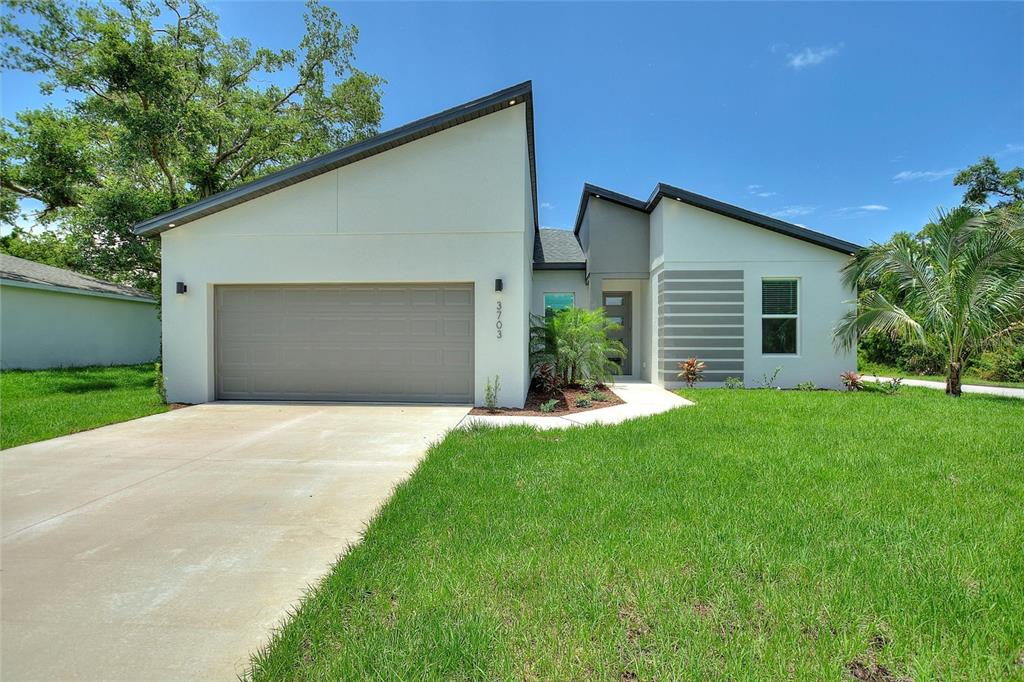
[
  {"x": 765, "y": 194},
  {"x": 753, "y": 188},
  {"x": 759, "y": 191},
  {"x": 811, "y": 56},
  {"x": 546, "y": 204},
  {"x": 873, "y": 207},
  {"x": 930, "y": 176},
  {"x": 794, "y": 211}
]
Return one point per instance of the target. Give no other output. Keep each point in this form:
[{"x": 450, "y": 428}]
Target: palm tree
[
  {"x": 575, "y": 341},
  {"x": 957, "y": 286}
]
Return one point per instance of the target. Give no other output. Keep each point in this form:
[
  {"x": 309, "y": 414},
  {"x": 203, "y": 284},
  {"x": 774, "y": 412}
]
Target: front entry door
[{"x": 618, "y": 307}]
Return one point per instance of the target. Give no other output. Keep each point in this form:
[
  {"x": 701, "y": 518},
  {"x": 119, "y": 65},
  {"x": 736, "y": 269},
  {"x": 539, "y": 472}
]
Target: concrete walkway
[
  {"x": 986, "y": 390},
  {"x": 641, "y": 400},
  {"x": 166, "y": 548}
]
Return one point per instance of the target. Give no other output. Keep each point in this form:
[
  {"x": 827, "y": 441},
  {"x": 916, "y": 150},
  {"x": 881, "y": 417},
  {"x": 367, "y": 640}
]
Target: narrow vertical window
[{"x": 780, "y": 300}]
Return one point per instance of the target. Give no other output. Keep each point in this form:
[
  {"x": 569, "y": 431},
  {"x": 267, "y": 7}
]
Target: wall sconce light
[
  {"x": 180, "y": 288},
  {"x": 498, "y": 284}
]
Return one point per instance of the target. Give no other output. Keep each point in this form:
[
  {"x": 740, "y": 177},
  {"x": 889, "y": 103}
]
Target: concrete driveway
[{"x": 168, "y": 547}]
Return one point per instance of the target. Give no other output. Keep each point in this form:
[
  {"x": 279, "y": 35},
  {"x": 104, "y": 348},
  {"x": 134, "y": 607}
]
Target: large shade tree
[
  {"x": 162, "y": 110},
  {"x": 957, "y": 286}
]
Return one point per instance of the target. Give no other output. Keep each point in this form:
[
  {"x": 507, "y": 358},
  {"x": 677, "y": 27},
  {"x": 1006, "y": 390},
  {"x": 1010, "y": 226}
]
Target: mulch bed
[{"x": 566, "y": 403}]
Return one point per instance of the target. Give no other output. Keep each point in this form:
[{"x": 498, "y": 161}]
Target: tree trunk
[{"x": 953, "y": 380}]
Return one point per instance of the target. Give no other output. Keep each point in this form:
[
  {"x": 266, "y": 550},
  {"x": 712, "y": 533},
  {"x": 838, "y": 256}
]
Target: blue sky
[{"x": 846, "y": 118}]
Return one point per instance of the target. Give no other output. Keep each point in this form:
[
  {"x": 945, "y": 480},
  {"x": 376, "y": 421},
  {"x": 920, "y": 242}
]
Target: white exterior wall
[
  {"x": 696, "y": 239},
  {"x": 445, "y": 208},
  {"x": 41, "y": 328}
]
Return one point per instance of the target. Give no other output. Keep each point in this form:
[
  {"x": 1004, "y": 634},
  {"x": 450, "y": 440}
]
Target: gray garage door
[{"x": 387, "y": 343}]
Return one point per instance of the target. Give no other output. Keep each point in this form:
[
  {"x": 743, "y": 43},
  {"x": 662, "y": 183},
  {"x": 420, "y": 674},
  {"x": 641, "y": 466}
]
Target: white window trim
[{"x": 799, "y": 325}]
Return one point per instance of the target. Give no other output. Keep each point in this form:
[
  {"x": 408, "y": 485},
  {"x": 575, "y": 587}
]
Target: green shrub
[
  {"x": 491, "y": 390},
  {"x": 892, "y": 387},
  {"x": 576, "y": 342},
  {"x": 1005, "y": 363},
  {"x": 733, "y": 382},
  {"x": 910, "y": 356},
  {"x": 583, "y": 401},
  {"x": 807, "y": 386},
  {"x": 549, "y": 405},
  {"x": 597, "y": 396},
  {"x": 160, "y": 384},
  {"x": 768, "y": 380}
]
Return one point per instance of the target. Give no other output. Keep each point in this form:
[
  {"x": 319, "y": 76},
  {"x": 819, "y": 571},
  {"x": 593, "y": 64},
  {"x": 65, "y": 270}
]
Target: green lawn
[
  {"x": 757, "y": 535},
  {"x": 41, "y": 404},
  {"x": 879, "y": 369}
]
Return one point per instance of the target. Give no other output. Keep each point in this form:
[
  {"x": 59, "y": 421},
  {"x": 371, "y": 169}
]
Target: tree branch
[{"x": 21, "y": 190}]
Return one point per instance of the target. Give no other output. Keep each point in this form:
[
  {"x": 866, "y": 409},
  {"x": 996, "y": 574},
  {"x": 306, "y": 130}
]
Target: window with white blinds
[{"x": 780, "y": 301}]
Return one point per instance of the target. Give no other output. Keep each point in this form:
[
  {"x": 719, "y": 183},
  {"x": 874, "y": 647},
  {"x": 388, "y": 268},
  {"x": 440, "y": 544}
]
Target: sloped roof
[
  {"x": 463, "y": 113},
  {"x": 19, "y": 270},
  {"x": 555, "y": 249},
  {"x": 663, "y": 191}
]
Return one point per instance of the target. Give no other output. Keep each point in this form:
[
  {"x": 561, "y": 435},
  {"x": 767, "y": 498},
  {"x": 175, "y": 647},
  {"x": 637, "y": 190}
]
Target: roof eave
[
  {"x": 559, "y": 266},
  {"x": 511, "y": 96},
  {"x": 752, "y": 218},
  {"x": 11, "y": 281},
  {"x": 714, "y": 205},
  {"x": 609, "y": 195}
]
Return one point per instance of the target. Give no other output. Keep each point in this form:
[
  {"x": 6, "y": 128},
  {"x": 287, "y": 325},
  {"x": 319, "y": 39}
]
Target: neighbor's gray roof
[
  {"x": 663, "y": 191},
  {"x": 19, "y": 270},
  {"x": 555, "y": 249},
  {"x": 512, "y": 96}
]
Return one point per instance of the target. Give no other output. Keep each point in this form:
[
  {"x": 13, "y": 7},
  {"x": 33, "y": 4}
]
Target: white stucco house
[
  {"x": 51, "y": 317},
  {"x": 405, "y": 268}
]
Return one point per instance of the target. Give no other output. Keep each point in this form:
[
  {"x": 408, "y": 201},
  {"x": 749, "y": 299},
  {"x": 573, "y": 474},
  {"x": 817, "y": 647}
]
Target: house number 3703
[{"x": 497, "y": 324}]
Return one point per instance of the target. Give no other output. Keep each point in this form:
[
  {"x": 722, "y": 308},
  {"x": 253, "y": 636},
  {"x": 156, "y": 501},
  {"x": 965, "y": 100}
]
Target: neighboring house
[
  {"x": 405, "y": 268},
  {"x": 50, "y": 317}
]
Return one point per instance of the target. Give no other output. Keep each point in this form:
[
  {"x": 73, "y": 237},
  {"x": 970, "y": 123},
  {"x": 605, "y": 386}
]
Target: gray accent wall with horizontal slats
[{"x": 700, "y": 314}]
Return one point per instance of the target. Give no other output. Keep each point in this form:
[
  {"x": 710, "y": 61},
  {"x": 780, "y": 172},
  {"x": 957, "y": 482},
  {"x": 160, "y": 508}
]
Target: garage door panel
[{"x": 345, "y": 342}]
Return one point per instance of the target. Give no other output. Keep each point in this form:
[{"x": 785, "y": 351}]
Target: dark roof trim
[
  {"x": 515, "y": 95},
  {"x": 602, "y": 193},
  {"x": 559, "y": 266},
  {"x": 715, "y": 206}
]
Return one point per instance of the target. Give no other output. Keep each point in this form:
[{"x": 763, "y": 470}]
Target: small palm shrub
[
  {"x": 549, "y": 405},
  {"x": 691, "y": 371},
  {"x": 576, "y": 342},
  {"x": 852, "y": 381}
]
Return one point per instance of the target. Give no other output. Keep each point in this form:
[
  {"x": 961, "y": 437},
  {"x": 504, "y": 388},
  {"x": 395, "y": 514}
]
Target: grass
[
  {"x": 756, "y": 535},
  {"x": 40, "y": 404},
  {"x": 879, "y": 369}
]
